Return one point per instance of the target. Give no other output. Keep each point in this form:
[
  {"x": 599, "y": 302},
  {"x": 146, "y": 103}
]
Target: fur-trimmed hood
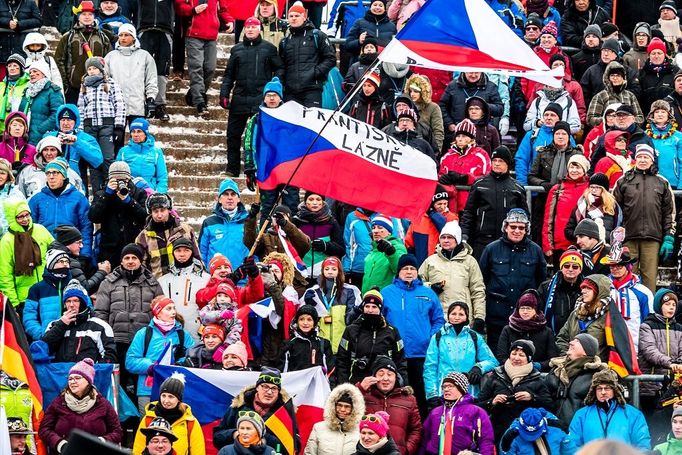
[
  {"x": 288, "y": 275},
  {"x": 605, "y": 377},
  {"x": 424, "y": 84},
  {"x": 330, "y": 408},
  {"x": 246, "y": 395}
]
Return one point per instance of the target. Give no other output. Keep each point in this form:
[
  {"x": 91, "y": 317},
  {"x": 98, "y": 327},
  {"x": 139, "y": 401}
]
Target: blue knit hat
[
  {"x": 658, "y": 298},
  {"x": 228, "y": 184},
  {"x": 74, "y": 289},
  {"x": 274, "y": 86},
  {"x": 383, "y": 221},
  {"x": 532, "y": 424},
  {"x": 59, "y": 164},
  {"x": 140, "y": 124}
]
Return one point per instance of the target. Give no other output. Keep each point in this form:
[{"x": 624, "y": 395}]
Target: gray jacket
[
  {"x": 660, "y": 344},
  {"x": 135, "y": 71}
]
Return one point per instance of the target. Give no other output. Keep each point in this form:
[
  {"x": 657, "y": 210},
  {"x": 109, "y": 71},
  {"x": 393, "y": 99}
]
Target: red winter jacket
[
  {"x": 206, "y": 24},
  {"x": 405, "y": 425},
  {"x": 59, "y": 420},
  {"x": 529, "y": 87},
  {"x": 439, "y": 80},
  {"x": 244, "y": 9},
  {"x": 561, "y": 202},
  {"x": 475, "y": 162},
  {"x": 251, "y": 293}
]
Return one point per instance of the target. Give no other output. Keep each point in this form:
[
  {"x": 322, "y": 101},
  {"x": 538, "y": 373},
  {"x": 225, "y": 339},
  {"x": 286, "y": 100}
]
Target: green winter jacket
[
  {"x": 16, "y": 288},
  {"x": 13, "y": 98},
  {"x": 380, "y": 269},
  {"x": 15, "y": 397},
  {"x": 671, "y": 446}
]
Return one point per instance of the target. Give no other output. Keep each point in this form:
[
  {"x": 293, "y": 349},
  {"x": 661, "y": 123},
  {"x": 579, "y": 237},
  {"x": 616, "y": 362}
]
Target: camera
[
  {"x": 122, "y": 187},
  {"x": 511, "y": 399},
  {"x": 362, "y": 363}
]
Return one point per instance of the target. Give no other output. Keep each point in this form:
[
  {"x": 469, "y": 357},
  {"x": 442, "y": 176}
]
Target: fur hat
[
  {"x": 286, "y": 264},
  {"x": 662, "y": 105},
  {"x": 158, "y": 201},
  {"x": 605, "y": 377},
  {"x": 175, "y": 385}
]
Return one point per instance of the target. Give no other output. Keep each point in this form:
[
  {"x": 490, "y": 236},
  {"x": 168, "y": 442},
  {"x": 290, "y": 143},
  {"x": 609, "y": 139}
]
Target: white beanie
[
  {"x": 129, "y": 29},
  {"x": 452, "y": 228},
  {"x": 49, "y": 141},
  {"x": 42, "y": 66}
]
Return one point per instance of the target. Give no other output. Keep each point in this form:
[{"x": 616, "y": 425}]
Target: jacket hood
[
  {"x": 35, "y": 38},
  {"x": 11, "y": 116},
  {"x": 486, "y": 107},
  {"x": 12, "y": 207},
  {"x": 288, "y": 275},
  {"x": 423, "y": 83},
  {"x": 610, "y": 140},
  {"x": 614, "y": 65},
  {"x": 274, "y": 17},
  {"x": 357, "y": 412},
  {"x": 72, "y": 108},
  {"x": 130, "y": 49},
  {"x": 406, "y": 99},
  {"x": 250, "y": 390}
]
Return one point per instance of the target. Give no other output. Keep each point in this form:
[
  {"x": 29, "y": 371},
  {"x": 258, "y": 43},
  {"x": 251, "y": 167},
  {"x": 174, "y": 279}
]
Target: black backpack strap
[
  {"x": 147, "y": 339},
  {"x": 180, "y": 350},
  {"x": 474, "y": 338}
]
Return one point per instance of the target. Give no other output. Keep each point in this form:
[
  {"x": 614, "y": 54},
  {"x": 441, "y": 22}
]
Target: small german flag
[
  {"x": 281, "y": 424},
  {"x": 622, "y": 354}
]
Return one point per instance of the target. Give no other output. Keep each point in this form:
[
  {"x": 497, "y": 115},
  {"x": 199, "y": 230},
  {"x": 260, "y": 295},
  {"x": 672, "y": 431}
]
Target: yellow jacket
[{"x": 186, "y": 428}]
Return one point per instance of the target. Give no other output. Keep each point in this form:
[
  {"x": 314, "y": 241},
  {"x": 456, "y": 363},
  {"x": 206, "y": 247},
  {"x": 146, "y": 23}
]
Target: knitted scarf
[
  {"x": 622, "y": 286},
  {"x": 517, "y": 373},
  {"x": 82, "y": 405},
  {"x": 519, "y": 324},
  {"x": 36, "y": 87},
  {"x": 322, "y": 216},
  {"x": 27, "y": 254}
]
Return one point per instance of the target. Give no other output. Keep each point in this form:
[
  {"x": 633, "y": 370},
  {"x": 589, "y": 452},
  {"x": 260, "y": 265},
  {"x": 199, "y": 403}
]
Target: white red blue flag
[
  {"x": 465, "y": 35},
  {"x": 210, "y": 393},
  {"x": 351, "y": 161}
]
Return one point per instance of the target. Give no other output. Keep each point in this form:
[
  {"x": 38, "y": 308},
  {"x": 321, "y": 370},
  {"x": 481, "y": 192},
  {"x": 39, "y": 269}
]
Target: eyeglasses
[
  {"x": 532, "y": 28},
  {"x": 74, "y": 378},
  {"x": 52, "y": 173},
  {"x": 517, "y": 228},
  {"x": 447, "y": 386},
  {"x": 571, "y": 267},
  {"x": 273, "y": 379},
  {"x": 23, "y": 217},
  {"x": 370, "y": 418},
  {"x": 269, "y": 388}
]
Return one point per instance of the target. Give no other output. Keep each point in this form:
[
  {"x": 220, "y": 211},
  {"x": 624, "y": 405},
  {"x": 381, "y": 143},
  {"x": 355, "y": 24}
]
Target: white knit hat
[{"x": 452, "y": 228}]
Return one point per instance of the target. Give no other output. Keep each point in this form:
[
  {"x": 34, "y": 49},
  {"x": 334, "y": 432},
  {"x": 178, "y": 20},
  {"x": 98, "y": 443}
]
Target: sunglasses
[
  {"x": 271, "y": 379},
  {"x": 517, "y": 228},
  {"x": 533, "y": 28},
  {"x": 571, "y": 266},
  {"x": 370, "y": 418},
  {"x": 250, "y": 414}
]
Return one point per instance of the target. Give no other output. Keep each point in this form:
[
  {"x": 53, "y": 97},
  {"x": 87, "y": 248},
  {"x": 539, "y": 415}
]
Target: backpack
[{"x": 178, "y": 352}]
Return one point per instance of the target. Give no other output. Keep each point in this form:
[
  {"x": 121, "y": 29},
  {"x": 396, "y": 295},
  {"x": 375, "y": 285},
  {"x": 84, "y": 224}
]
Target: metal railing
[{"x": 635, "y": 380}]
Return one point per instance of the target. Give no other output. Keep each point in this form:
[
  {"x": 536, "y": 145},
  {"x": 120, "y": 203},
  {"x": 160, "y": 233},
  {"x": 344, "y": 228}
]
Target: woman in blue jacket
[
  {"x": 44, "y": 99},
  {"x": 374, "y": 23},
  {"x": 456, "y": 347},
  {"x": 148, "y": 346},
  {"x": 145, "y": 159}
]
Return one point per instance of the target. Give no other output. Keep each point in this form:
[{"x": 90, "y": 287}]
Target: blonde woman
[
  {"x": 418, "y": 88},
  {"x": 599, "y": 205}
]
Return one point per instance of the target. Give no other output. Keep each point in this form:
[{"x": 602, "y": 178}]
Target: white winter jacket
[{"x": 182, "y": 285}]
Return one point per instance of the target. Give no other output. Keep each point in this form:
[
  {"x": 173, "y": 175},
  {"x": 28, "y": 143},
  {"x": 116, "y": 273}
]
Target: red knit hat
[
  {"x": 217, "y": 261},
  {"x": 225, "y": 288},
  {"x": 252, "y": 21},
  {"x": 656, "y": 43},
  {"x": 159, "y": 303},
  {"x": 214, "y": 329},
  {"x": 297, "y": 8},
  {"x": 374, "y": 78},
  {"x": 550, "y": 29}
]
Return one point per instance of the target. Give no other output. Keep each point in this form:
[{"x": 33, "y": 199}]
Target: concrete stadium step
[
  {"x": 182, "y": 137},
  {"x": 177, "y": 154},
  {"x": 197, "y": 168},
  {"x": 177, "y": 97},
  {"x": 215, "y": 112}
]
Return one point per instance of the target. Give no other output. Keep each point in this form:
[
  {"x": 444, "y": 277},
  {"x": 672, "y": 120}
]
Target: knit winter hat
[
  {"x": 556, "y": 108},
  {"x": 307, "y": 310},
  {"x": 67, "y": 234},
  {"x": 532, "y": 424},
  {"x": 159, "y": 201},
  {"x": 676, "y": 413},
  {"x": 589, "y": 343},
  {"x": 557, "y": 58},
  {"x": 97, "y": 62},
  {"x": 159, "y": 303},
  {"x": 228, "y": 184},
  {"x": 609, "y": 28},
  {"x": 214, "y": 329},
  {"x": 380, "y": 220},
  {"x": 526, "y": 346},
  {"x": 452, "y": 228},
  {"x": 441, "y": 194},
  {"x": 274, "y": 86},
  {"x": 502, "y": 152},
  {"x": 383, "y": 362},
  {"x": 18, "y": 59},
  {"x": 374, "y": 78},
  {"x": 466, "y": 127},
  {"x": 592, "y": 29},
  {"x": 40, "y": 65},
  {"x": 664, "y": 106},
  {"x": 52, "y": 256},
  {"x": 373, "y": 296},
  {"x": 254, "y": 419},
  {"x": 297, "y": 7},
  {"x": 238, "y": 348},
  {"x": 175, "y": 385},
  {"x": 182, "y": 242},
  {"x": 655, "y": 44},
  {"x": 611, "y": 44},
  {"x": 228, "y": 290},
  {"x": 669, "y": 4},
  {"x": 533, "y": 19},
  {"x": 60, "y": 165},
  {"x": 408, "y": 113},
  {"x": 561, "y": 126},
  {"x": 140, "y": 124},
  {"x": 600, "y": 179},
  {"x": 134, "y": 249},
  {"x": 589, "y": 283},
  {"x": 127, "y": 28},
  {"x": 74, "y": 289},
  {"x": 377, "y": 422},
  {"x": 571, "y": 257},
  {"x": 369, "y": 39},
  {"x": 644, "y": 149},
  {"x": 253, "y": 21},
  {"x": 49, "y": 141},
  {"x": 119, "y": 170},
  {"x": 270, "y": 376},
  {"x": 216, "y": 261},
  {"x": 588, "y": 228},
  {"x": 664, "y": 295},
  {"x": 516, "y": 216},
  {"x": 406, "y": 260},
  {"x": 459, "y": 380},
  {"x": 550, "y": 29},
  {"x": 86, "y": 369},
  {"x": 529, "y": 298},
  {"x": 580, "y": 160},
  {"x": 6, "y": 168}
]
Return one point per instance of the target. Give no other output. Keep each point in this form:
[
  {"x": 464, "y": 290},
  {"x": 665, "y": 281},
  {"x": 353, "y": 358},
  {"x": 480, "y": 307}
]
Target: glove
[
  {"x": 226, "y": 314},
  {"x": 666, "y": 250},
  {"x": 250, "y": 268},
  {"x": 437, "y": 288},
  {"x": 224, "y": 101},
  {"x": 319, "y": 245},
  {"x": 508, "y": 438},
  {"x": 478, "y": 326},
  {"x": 433, "y": 403},
  {"x": 150, "y": 108},
  {"x": 119, "y": 134},
  {"x": 250, "y": 179},
  {"x": 475, "y": 376},
  {"x": 537, "y": 365},
  {"x": 279, "y": 219},
  {"x": 453, "y": 178},
  {"x": 254, "y": 210},
  {"x": 385, "y": 247},
  {"x": 238, "y": 274},
  {"x": 150, "y": 370},
  {"x": 504, "y": 126}
]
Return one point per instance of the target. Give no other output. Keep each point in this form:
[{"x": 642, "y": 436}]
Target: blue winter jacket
[
  {"x": 510, "y": 13},
  {"x": 146, "y": 160},
  {"x": 139, "y": 365},
  {"x": 85, "y": 147},
  {"x": 627, "y": 424},
  {"x": 669, "y": 156},
  {"x": 559, "y": 443},
  {"x": 70, "y": 207},
  {"x": 43, "y": 108},
  {"x": 413, "y": 309},
  {"x": 357, "y": 235},
  {"x": 455, "y": 353},
  {"x": 528, "y": 150},
  {"x": 44, "y": 304},
  {"x": 220, "y": 235}
]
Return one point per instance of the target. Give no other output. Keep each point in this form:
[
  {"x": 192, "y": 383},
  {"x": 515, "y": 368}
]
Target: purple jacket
[
  {"x": 10, "y": 147},
  {"x": 472, "y": 429},
  {"x": 59, "y": 420}
]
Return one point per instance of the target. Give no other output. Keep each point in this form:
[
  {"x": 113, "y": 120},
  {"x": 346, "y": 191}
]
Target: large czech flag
[
  {"x": 351, "y": 161},
  {"x": 466, "y": 35},
  {"x": 210, "y": 393}
]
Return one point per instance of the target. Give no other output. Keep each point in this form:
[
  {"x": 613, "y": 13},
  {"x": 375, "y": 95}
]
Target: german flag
[
  {"x": 282, "y": 424},
  {"x": 622, "y": 356},
  {"x": 15, "y": 359}
]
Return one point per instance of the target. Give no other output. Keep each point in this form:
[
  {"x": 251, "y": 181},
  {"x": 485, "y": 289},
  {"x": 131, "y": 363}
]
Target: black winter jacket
[
  {"x": 301, "y": 352},
  {"x": 415, "y": 140},
  {"x": 361, "y": 344},
  {"x": 565, "y": 296},
  {"x": 380, "y": 27},
  {"x": 541, "y": 170},
  {"x": 306, "y": 63},
  {"x": 371, "y": 109},
  {"x": 574, "y": 23},
  {"x": 356, "y": 70},
  {"x": 656, "y": 85},
  {"x": 159, "y": 14},
  {"x": 27, "y": 15},
  {"x": 675, "y": 101},
  {"x": 592, "y": 81},
  {"x": 121, "y": 221},
  {"x": 490, "y": 198},
  {"x": 252, "y": 64},
  {"x": 459, "y": 90},
  {"x": 88, "y": 337},
  {"x": 568, "y": 398},
  {"x": 497, "y": 382},
  {"x": 90, "y": 281},
  {"x": 543, "y": 339},
  {"x": 582, "y": 60}
]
